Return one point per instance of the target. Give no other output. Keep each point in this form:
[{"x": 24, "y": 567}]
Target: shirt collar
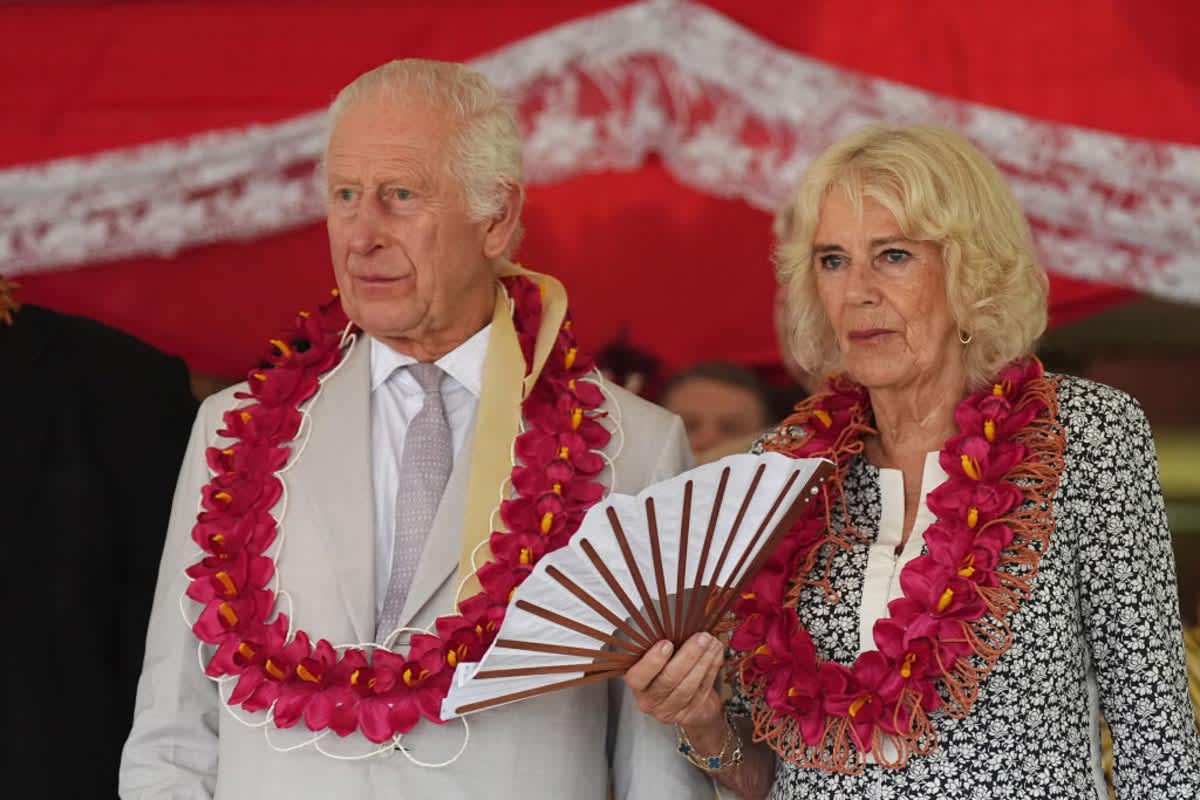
[{"x": 464, "y": 363}]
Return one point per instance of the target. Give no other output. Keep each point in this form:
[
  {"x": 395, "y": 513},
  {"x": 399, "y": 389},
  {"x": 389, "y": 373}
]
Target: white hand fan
[{"x": 662, "y": 565}]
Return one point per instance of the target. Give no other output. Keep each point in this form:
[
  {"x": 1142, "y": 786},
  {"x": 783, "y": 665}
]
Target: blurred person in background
[
  {"x": 96, "y": 423},
  {"x": 724, "y": 406}
]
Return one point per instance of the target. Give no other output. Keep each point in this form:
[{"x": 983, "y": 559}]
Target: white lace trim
[{"x": 729, "y": 113}]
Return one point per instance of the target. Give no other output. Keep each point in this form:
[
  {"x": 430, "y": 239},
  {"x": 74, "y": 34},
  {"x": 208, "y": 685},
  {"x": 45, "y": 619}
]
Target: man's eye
[
  {"x": 345, "y": 195},
  {"x": 402, "y": 194}
]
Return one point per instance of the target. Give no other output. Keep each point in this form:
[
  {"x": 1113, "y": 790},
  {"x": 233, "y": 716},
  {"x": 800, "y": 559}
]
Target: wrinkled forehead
[{"x": 385, "y": 124}]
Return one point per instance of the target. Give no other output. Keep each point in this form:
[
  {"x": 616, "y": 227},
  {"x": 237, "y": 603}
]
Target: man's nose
[{"x": 366, "y": 230}]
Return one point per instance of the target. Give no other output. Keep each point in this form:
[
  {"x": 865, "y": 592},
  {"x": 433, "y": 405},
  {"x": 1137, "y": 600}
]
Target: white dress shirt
[{"x": 395, "y": 400}]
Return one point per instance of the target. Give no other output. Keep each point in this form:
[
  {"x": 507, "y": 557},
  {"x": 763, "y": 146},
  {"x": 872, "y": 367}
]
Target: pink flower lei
[
  {"x": 944, "y": 635},
  {"x": 386, "y": 693}
]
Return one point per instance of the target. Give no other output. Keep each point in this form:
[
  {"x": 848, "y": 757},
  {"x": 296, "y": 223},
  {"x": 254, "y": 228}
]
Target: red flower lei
[
  {"x": 387, "y": 693},
  {"x": 944, "y": 635}
]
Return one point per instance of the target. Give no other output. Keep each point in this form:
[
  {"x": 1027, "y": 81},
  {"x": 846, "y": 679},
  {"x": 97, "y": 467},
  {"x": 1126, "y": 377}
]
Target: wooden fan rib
[
  {"x": 535, "y": 691},
  {"x": 733, "y": 580},
  {"x": 634, "y": 613},
  {"x": 564, "y": 650},
  {"x": 680, "y": 578},
  {"x": 656, "y": 630},
  {"x": 820, "y": 474},
  {"x": 659, "y": 579},
  {"x": 729, "y": 538},
  {"x": 586, "y": 668},
  {"x": 597, "y": 606},
  {"x": 693, "y": 604},
  {"x": 578, "y": 627}
]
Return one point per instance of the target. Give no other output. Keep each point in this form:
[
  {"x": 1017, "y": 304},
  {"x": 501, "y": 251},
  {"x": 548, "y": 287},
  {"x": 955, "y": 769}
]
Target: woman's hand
[{"x": 680, "y": 687}]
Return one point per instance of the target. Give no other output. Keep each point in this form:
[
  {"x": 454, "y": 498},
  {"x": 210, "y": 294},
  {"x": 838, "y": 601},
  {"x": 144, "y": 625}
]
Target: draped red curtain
[{"x": 687, "y": 274}]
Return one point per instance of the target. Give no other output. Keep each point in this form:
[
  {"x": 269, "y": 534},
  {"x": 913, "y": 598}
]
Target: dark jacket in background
[{"x": 93, "y": 426}]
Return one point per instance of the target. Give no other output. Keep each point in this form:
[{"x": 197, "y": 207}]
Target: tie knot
[{"x": 429, "y": 376}]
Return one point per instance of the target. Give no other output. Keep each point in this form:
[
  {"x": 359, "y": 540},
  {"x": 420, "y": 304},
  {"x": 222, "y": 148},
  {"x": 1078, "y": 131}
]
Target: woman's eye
[
  {"x": 833, "y": 261},
  {"x": 895, "y": 256}
]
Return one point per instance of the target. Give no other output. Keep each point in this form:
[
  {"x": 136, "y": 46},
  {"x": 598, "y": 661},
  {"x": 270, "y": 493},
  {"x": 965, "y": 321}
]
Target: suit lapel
[
  {"x": 439, "y": 558},
  {"x": 334, "y": 477}
]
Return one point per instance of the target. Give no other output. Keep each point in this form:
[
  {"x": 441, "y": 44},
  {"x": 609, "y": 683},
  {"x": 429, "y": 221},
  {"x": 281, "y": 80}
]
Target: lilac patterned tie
[{"x": 424, "y": 469}]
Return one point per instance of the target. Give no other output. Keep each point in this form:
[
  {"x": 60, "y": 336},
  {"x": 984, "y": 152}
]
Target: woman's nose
[{"x": 861, "y": 286}]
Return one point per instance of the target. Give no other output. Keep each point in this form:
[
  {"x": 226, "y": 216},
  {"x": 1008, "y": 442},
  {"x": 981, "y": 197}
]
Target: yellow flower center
[
  {"x": 456, "y": 654},
  {"x": 228, "y": 614},
  {"x": 858, "y": 704},
  {"x": 228, "y": 587},
  {"x": 945, "y": 600},
  {"x": 970, "y": 466}
]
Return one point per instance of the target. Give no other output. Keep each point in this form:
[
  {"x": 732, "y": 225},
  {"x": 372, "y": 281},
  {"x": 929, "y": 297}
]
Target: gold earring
[{"x": 967, "y": 339}]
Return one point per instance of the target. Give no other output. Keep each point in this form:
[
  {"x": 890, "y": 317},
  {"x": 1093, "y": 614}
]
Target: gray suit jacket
[{"x": 186, "y": 743}]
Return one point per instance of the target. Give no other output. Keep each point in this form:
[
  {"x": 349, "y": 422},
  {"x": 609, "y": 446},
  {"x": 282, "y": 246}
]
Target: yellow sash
[{"x": 498, "y": 420}]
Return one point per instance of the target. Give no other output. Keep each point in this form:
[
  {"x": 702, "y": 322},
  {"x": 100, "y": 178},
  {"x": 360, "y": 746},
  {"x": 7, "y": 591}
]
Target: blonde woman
[{"x": 992, "y": 569}]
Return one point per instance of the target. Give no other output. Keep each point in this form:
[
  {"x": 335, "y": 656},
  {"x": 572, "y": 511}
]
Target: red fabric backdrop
[{"x": 688, "y": 273}]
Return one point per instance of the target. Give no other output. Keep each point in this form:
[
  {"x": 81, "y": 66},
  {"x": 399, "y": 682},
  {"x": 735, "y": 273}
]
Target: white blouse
[{"x": 881, "y": 582}]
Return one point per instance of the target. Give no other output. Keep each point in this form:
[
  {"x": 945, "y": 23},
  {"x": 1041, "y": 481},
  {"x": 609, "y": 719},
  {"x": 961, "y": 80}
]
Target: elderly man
[{"x": 369, "y": 500}]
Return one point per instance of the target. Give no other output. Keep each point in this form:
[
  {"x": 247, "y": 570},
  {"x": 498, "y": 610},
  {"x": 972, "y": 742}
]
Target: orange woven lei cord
[{"x": 943, "y": 637}]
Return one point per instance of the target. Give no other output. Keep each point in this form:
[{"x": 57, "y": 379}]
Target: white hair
[{"x": 485, "y": 150}]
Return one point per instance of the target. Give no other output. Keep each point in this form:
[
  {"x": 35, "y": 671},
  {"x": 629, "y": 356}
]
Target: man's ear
[{"x": 504, "y": 229}]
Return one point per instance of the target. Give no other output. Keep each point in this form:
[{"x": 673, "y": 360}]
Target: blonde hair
[
  {"x": 941, "y": 189},
  {"x": 485, "y": 150}
]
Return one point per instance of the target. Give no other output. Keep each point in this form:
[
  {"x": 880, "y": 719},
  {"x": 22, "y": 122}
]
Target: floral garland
[
  {"x": 944, "y": 635},
  {"x": 387, "y": 693}
]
